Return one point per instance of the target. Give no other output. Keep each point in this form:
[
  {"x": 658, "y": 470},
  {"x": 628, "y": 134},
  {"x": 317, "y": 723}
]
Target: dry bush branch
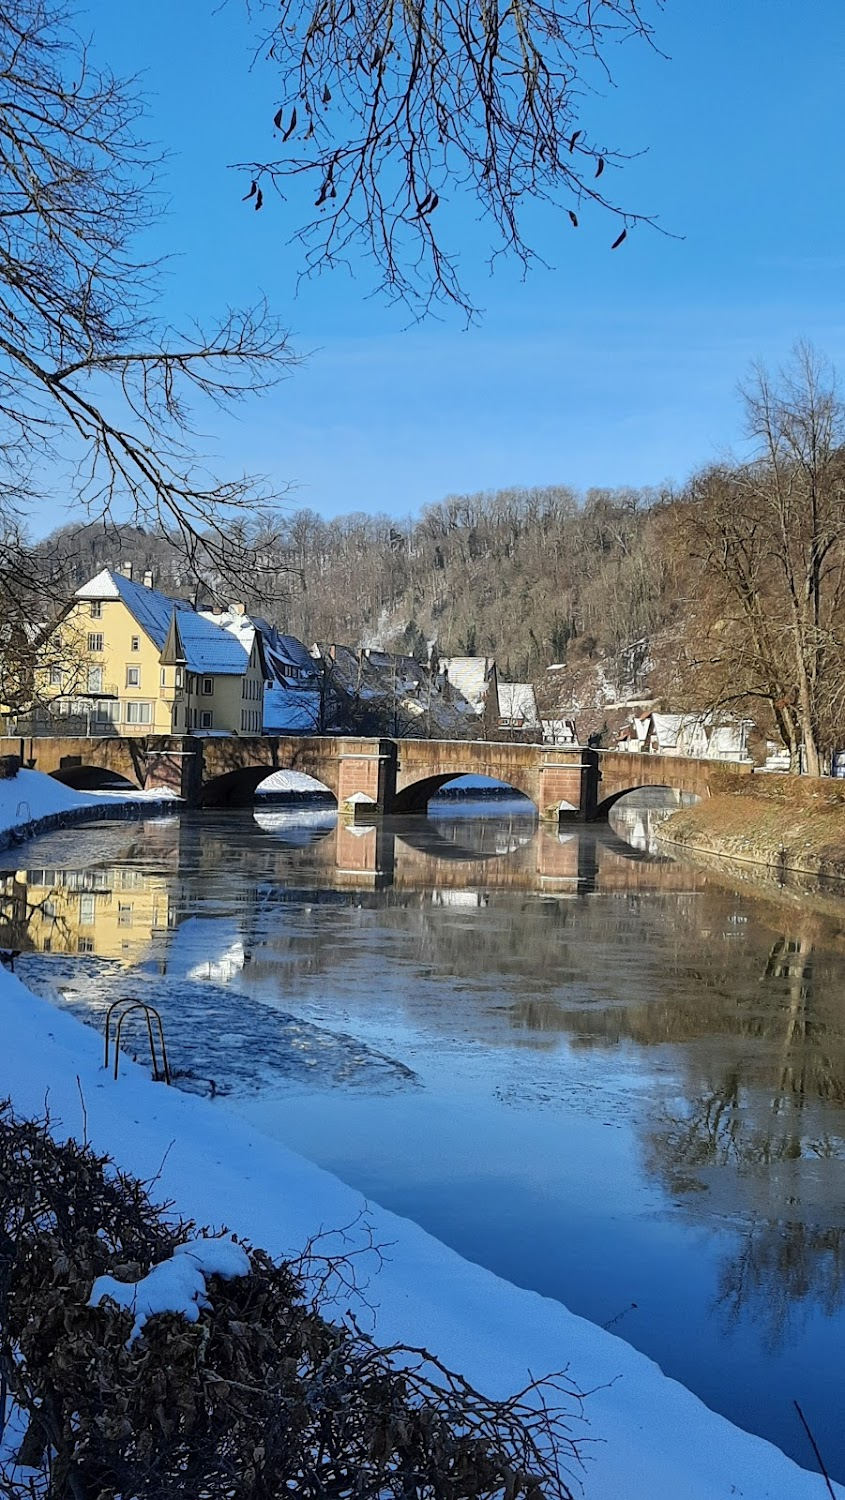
[{"x": 262, "y": 1397}]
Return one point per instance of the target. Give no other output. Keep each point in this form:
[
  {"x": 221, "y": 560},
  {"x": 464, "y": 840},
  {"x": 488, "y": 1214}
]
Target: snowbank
[
  {"x": 31, "y": 795},
  {"x": 643, "y": 1435},
  {"x": 289, "y": 781}
]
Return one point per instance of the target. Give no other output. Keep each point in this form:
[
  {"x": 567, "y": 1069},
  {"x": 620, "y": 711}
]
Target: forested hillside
[{"x": 532, "y": 576}]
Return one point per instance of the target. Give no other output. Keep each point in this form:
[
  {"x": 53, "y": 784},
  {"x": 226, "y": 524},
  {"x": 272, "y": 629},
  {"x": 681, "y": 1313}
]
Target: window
[
  {"x": 206, "y": 719},
  {"x": 107, "y": 711},
  {"x": 133, "y": 676},
  {"x": 180, "y": 677},
  {"x": 95, "y": 679},
  {"x": 137, "y": 713},
  {"x": 124, "y": 913},
  {"x": 207, "y": 686},
  {"x": 56, "y": 676},
  {"x": 85, "y": 945},
  {"x": 95, "y": 642},
  {"x": 96, "y": 609},
  {"x": 86, "y": 909},
  {"x": 136, "y": 643}
]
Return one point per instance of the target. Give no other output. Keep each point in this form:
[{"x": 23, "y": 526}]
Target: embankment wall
[{"x": 785, "y": 822}]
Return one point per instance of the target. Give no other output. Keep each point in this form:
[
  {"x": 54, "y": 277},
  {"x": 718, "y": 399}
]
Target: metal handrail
[{"x": 160, "y": 1074}]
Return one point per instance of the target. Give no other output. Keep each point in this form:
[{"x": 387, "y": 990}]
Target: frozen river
[{"x": 610, "y": 1077}]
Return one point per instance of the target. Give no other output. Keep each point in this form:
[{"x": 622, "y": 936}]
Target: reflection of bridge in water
[
  {"x": 107, "y": 904},
  {"x": 418, "y": 854}
]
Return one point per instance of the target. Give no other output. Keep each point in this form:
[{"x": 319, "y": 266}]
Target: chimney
[
  {"x": 125, "y": 569},
  {"x": 148, "y": 578}
]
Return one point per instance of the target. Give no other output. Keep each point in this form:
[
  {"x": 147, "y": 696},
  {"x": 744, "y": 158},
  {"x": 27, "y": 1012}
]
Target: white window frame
[
  {"x": 95, "y": 642},
  {"x": 207, "y": 687},
  {"x": 135, "y": 643},
  {"x": 96, "y": 609},
  {"x": 134, "y": 713},
  {"x": 133, "y": 677},
  {"x": 206, "y": 719}
]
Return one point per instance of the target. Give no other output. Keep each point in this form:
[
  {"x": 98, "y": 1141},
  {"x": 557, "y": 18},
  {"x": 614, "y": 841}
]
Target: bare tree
[
  {"x": 767, "y": 621},
  {"x": 390, "y": 111},
  {"x": 90, "y": 381}
]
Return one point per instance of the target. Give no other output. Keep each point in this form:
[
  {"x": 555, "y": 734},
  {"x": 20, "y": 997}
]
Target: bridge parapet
[{"x": 381, "y": 775}]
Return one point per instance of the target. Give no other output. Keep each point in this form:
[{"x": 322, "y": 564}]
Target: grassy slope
[{"x": 788, "y": 822}]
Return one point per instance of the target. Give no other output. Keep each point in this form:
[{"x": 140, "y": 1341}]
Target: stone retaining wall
[{"x": 95, "y": 813}]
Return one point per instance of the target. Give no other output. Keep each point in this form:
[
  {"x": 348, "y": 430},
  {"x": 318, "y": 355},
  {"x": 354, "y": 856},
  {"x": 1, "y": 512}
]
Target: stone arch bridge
[{"x": 370, "y": 776}]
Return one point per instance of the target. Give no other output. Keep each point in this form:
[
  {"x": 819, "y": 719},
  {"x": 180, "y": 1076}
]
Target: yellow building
[
  {"x": 112, "y": 912},
  {"x": 136, "y": 662}
]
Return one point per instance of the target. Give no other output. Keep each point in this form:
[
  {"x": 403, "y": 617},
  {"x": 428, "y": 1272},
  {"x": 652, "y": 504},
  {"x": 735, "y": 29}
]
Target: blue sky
[{"x": 608, "y": 369}]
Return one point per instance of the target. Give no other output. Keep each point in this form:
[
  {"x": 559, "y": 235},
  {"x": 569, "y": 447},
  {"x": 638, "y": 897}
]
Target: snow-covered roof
[
  {"x": 471, "y": 676},
  {"x": 208, "y": 647},
  {"x": 285, "y": 654},
  {"x": 517, "y": 701},
  {"x": 667, "y": 727}
]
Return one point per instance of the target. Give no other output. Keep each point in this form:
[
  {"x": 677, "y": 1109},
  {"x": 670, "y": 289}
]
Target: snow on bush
[{"x": 131, "y": 1376}]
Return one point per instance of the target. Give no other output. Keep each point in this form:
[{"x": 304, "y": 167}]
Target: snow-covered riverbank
[
  {"x": 31, "y": 799},
  {"x": 641, "y": 1434}
]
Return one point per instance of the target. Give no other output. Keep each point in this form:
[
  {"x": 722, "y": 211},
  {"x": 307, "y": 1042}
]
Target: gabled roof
[
  {"x": 207, "y": 648},
  {"x": 471, "y": 675},
  {"x": 277, "y": 651},
  {"x": 173, "y": 651}
]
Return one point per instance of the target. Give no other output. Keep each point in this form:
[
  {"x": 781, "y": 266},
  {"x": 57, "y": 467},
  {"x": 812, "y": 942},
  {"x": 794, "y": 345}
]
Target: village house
[
  {"x": 698, "y": 735},
  {"x": 385, "y": 692},
  {"x": 134, "y": 661},
  {"x": 292, "y": 692},
  {"x": 518, "y": 706},
  {"x": 476, "y": 679}
]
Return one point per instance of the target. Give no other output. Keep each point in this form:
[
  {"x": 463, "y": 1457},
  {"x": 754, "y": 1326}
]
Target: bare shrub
[{"x": 262, "y": 1397}]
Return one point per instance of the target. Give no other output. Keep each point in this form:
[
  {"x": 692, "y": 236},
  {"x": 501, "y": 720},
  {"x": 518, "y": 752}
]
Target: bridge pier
[{"x": 366, "y": 779}]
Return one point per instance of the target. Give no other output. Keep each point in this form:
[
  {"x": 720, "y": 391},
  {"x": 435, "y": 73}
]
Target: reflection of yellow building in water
[{"x": 112, "y": 912}]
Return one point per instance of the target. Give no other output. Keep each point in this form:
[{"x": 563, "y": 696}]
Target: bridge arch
[
  {"x": 94, "y": 779},
  {"x": 416, "y": 797},
  {"x": 239, "y": 788},
  {"x": 604, "y": 807}
]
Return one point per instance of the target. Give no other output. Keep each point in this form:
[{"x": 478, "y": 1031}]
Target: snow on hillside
[{"x": 643, "y": 1436}]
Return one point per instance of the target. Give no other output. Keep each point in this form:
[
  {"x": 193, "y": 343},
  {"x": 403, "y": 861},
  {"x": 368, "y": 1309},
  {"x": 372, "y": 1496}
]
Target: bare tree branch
[{"x": 395, "y": 111}]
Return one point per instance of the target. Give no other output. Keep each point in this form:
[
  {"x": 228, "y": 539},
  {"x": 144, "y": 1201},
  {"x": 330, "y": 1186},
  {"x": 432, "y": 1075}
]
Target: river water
[{"x": 604, "y": 1074}]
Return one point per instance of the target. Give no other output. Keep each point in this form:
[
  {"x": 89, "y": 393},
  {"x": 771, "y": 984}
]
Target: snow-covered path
[{"x": 643, "y": 1434}]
